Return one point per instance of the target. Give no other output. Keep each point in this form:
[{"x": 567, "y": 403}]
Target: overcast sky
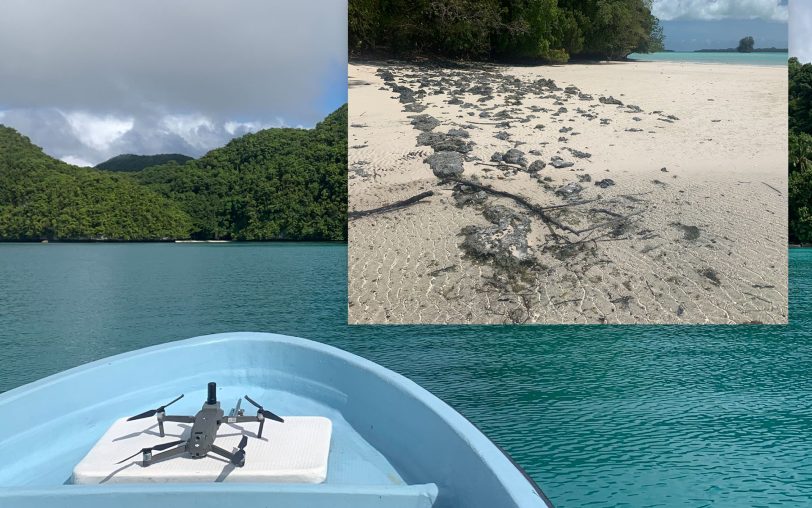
[
  {"x": 90, "y": 79},
  {"x": 698, "y": 24},
  {"x": 800, "y": 30}
]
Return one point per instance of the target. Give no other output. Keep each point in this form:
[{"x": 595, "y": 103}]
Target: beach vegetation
[
  {"x": 746, "y": 45},
  {"x": 800, "y": 152},
  {"x": 547, "y": 30}
]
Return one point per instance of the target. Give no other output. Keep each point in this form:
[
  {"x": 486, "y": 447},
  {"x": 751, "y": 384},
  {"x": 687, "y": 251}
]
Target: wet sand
[{"x": 688, "y": 224}]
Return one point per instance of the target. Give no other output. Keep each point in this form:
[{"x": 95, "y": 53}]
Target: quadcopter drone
[{"x": 204, "y": 430}]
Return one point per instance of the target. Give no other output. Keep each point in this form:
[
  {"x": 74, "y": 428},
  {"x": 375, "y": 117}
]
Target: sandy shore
[{"x": 691, "y": 227}]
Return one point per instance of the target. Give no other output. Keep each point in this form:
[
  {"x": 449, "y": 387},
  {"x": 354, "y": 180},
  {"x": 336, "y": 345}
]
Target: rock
[
  {"x": 414, "y": 107},
  {"x": 502, "y": 135},
  {"x": 445, "y": 164},
  {"x": 425, "y": 123},
  {"x": 386, "y": 74},
  {"x": 536, "y": 166},
  {"x": 536, "y": 153},
  {"x": 514, "y": 156},
  {"x": 452, "y": 144},
  {"x": 465, "y": 195},
  {"x": 610, "y": 100},
  {"x": 496, "y": 157},
  {"x": 571, "y": 90},
  {"x": 455, "y": 101},
  {"x": 564, "y": 129},
  {"x": 459, "y": 133},
  {"x": 559, "y": 163},
  {"x": 539, "y": 127},
  {"x": 429, "y": 138},
  {"x": 584, "y": 178},
  {"x": 606, "y": 182},
  {"x": 569, "y": 189},
  {"x": 579, "y": 154},
  {"x": 505, "y": 242}
]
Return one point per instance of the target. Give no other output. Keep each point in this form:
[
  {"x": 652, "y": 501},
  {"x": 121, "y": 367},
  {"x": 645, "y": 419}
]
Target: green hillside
[
  {"x": 43, "y": 198},
  {"x": 130, "y": 162},
  {"x": 276, "y": 184}
]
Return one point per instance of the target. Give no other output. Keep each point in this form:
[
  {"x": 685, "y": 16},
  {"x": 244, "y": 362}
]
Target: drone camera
[{"x": 212, "y": 394}]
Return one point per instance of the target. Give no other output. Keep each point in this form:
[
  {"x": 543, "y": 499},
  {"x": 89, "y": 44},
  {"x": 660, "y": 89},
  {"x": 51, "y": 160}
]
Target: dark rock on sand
[
  {"x": 425, "y": 123},
  {"x": 464, "y": 195},
  {"x": 505, "y": 242},
  {"x": 569, "y": 189},
  {"x": 610, "y": 100},
  {"x": 605, "y": 183},
  {"x": 536, "y": 166},
  {"x": 558, "y": 162},
  {"x": 445, "y": 164},
  {"x": 514, "y": 156}
]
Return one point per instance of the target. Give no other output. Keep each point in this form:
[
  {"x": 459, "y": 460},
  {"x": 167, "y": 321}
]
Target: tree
[{"x": 746, "y": 45}]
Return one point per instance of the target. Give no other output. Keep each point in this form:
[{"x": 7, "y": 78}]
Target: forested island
[
  {"x": 800, "y": 152},
  {"x": 746, "y": 45},
  {"x": 549, "y": 30},
  {"x": 275, "y": 184}
]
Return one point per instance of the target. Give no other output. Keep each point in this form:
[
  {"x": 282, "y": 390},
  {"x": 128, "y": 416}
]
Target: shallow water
[
  {"x": 726, "y": 58},
  {"x": 599, "y": 416}
]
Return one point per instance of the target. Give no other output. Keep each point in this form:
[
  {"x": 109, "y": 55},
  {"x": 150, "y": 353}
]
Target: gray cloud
[
  {"x": 707, "y": 10},
  {"x": 88, "y": 79}
]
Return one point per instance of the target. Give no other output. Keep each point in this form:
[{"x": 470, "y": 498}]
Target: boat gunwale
[{"x": 493, "y": 455}]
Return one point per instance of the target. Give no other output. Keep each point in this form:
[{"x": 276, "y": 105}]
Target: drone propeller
[
  {"x": 239, "y": 455},
  {"x": 162, "y": 446},
  {"x": 265, "y": 412},
  {"x": 152, "y": 412}
]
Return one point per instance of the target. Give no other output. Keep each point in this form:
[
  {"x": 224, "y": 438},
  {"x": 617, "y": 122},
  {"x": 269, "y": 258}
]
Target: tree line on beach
[
  {"x": 800, "y": 152},
  {"x": 275, "y": 184},
  {"x": 546, "y": 30}
]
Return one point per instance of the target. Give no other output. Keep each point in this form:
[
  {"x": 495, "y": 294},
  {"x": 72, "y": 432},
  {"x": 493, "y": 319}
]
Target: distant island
[
  {"x": 734, "y": 50},
  {"x": 130, "y": 162},
  {"x": 746, "y": 45},
  {"x": 275, "y": 184}
]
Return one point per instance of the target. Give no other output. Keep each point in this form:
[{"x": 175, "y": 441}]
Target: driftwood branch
[
  {"x": 538, "y": 210},
  {"x": 388, "y": 208}
]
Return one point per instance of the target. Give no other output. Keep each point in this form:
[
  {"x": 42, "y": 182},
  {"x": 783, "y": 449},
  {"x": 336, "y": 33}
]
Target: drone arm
[
  {"x": 179, "y": 419},
  {"x": 168, "y": 454},
  {"x": 240, "y": 419}
]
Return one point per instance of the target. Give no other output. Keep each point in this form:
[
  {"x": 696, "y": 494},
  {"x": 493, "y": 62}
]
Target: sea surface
[
  {"x": 631, "y": 416},
  {"x": 727, "y": 58}
]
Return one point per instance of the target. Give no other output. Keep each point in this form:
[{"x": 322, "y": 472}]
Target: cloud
[
  {"x": 800, "y": 31},
  {"x": 76, "y": 161},
  {"x": 708, "y": 10},
  {"x": 92, "y": 78},
  {"x": 97, "y": 132}
]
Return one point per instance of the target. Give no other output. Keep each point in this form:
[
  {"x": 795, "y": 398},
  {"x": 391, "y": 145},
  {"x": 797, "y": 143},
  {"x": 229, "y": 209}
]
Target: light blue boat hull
[{"x": 394, "y": 444}]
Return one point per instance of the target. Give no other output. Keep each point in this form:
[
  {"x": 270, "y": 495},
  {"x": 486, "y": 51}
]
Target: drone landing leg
[
  {"x": 161, "y": 427},
  {"x": 228, "y": 455},
  {"x": 261, "y": 424},
  {"x": 166, "y": 455}
]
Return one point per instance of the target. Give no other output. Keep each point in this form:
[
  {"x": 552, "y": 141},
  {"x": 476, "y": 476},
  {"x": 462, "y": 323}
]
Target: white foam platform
[{"x": 292, "y": 452}]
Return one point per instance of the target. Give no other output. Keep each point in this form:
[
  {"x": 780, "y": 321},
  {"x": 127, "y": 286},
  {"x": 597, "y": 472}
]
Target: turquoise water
[
  {"x": 599, "y": 416},
  {"x": 727, "y": 58}
]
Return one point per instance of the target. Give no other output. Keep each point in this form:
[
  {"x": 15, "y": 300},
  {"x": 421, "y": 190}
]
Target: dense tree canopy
[
  {"x": 746, "y": 45},
  {"x": 274, "y": 184},
  {"x": 130, "y": 162},
  {"x": 42, "y": 198},
  {"x": 800, "y": 152},
  {"x": 552, "y": 30}
]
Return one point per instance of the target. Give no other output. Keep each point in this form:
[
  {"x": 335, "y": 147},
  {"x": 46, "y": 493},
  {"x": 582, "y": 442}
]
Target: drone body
[{"x": 204, "y": 431}]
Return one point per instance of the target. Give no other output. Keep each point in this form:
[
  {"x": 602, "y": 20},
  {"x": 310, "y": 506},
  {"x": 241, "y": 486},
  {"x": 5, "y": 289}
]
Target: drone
[{"x": 204, "y": 430}]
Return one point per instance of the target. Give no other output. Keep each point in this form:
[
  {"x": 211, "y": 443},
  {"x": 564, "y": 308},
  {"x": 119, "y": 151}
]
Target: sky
[
  {"x": 800, "y": 30},
  {"x": 712, "y": 24},
  {"x": 91, "y": 79}
]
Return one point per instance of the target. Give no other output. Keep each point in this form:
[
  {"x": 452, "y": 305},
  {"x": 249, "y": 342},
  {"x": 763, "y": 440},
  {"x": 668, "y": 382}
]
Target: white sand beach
[{"x": 688, "y": 224}]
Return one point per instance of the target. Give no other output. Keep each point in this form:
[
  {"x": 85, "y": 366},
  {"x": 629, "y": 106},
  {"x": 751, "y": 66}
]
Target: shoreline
[{"x": 670, "y": 236}]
